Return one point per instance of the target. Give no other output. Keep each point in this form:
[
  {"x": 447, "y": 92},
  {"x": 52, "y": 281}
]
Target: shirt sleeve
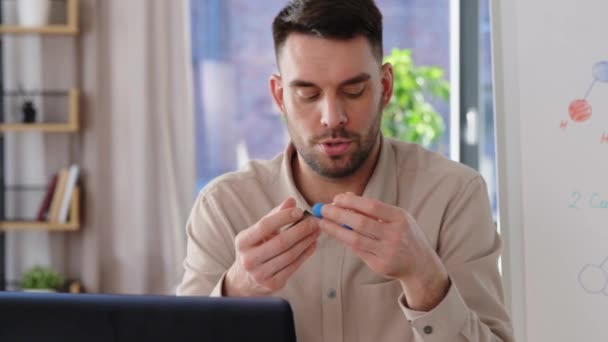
[
  {"x": 218, "y": 289},
  {"x": 473, "y": 309},
  {"x": 209, "y": 249}
]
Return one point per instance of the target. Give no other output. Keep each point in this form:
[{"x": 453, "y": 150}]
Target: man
[{"x": 420, "y": 262}]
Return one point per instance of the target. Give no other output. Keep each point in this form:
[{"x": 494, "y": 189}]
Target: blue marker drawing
[{"x": 316, "y": 210}]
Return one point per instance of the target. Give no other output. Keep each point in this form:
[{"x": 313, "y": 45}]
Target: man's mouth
[{"x": 335, "y": 147}]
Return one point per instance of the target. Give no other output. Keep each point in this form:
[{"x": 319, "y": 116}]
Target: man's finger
[
  {"x": 350, "y": 238},
  {"x": 368, "y": 206},
  {"x": 284, "y": 241},
  {"x": 288, "y": 203},
  {"x": 276, "y": 264},
  {"x": 365, "y": 225},
  {"x": 269, "y": 225},
  {"x": 304, "y": 217},
  {"x": 283, "y": 275}
]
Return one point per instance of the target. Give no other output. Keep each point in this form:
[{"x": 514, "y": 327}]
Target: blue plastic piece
[{"x": 316, "y": 210}]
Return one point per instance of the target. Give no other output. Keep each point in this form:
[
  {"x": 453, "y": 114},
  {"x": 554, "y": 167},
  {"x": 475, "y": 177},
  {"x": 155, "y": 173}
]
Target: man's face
[{"x": 331, "y": 93}]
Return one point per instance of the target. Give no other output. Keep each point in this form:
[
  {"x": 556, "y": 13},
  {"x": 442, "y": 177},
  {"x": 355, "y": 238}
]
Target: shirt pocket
[{"x": 377, "y": 314}]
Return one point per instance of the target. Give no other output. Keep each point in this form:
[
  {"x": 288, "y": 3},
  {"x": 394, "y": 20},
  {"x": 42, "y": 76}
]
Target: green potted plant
[
  {"x": 409, "y": 116},
  {"x": 41, "y": 279}
]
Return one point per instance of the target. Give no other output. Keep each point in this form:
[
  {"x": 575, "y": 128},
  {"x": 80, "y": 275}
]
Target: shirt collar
[
  {"x": 383, "y": 183},
  {"x": 381, "y": 186}
]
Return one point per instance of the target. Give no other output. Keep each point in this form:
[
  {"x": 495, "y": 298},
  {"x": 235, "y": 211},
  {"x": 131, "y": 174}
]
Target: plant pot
[{"x": 34, "y": 13}]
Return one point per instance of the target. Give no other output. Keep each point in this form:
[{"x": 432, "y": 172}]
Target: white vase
[{"x": 33, "y": 12}]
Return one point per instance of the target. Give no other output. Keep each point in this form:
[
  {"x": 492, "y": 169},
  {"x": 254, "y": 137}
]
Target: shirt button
[
  {"x": 331, "y": 294},
  {"x": 428, "y": 330}
]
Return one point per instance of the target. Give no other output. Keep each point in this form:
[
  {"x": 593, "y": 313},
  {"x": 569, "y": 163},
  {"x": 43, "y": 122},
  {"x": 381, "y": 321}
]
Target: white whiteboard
[{"x": 553, "y": 165}]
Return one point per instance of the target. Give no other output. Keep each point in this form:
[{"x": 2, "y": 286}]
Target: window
[
  {"x": 233, "y": 56},
  {"x": 478, "y": 147}
]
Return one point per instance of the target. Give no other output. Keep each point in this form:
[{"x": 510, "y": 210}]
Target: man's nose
[{"x": 332, "y": 113}]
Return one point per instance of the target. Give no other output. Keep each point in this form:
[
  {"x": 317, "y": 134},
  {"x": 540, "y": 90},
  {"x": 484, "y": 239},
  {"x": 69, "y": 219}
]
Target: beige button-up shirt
[{"x": 334, "y": 296}]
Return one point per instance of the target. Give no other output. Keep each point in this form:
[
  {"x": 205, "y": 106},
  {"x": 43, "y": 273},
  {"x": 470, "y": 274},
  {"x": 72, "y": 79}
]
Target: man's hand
[
  {"x": 390, "y": 242},
  {"x": 266, "y": 257}
]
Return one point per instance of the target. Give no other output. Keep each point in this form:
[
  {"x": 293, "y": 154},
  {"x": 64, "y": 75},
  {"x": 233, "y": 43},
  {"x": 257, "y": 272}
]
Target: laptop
[{"x": 35, "y": 317}]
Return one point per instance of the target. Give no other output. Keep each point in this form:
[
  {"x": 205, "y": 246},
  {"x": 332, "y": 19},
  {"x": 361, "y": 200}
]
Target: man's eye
[
  {"x": 354, "y": 90},
  {"x": 308, "y": 94}
]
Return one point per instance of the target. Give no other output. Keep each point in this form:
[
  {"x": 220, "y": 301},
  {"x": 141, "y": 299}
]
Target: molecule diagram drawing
[
  {"x": 581, "y": 110},
  {"x": 594, "y": 278}
]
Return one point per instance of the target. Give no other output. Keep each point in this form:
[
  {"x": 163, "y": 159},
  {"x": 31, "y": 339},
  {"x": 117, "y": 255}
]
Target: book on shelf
[
  {"x": 46, "y": 201},
  {"x": 68, "y": 192},
  {"x": 63, "y": 191},
  {"x": 58, "y": 194}
]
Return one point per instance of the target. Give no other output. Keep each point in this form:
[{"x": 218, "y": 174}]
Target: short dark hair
[{"x": 332, "y": 19}]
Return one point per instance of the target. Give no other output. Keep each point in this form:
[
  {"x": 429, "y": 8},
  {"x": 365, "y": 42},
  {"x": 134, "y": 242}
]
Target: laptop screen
[{"x": 82, "y": 317}]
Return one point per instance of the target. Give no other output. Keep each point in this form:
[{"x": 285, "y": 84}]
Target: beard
[{"x": 341, "y": 166}]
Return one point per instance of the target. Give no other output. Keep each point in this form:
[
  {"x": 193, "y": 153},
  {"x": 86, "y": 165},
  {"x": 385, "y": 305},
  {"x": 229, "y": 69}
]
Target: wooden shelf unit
[
  {"x": 73, "y": 223},
  {"x": 71, "y": 126},
  {"x": 69, "y": 28}
]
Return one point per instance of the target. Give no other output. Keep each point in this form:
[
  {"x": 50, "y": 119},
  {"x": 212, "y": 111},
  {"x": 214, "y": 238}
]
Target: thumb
[{"x": 288, "y": 203}]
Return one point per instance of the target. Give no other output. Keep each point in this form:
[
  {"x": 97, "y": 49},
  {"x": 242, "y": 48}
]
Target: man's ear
[
  {"x": 387, "y": 83},
  {"x": 276, "y": 89}
]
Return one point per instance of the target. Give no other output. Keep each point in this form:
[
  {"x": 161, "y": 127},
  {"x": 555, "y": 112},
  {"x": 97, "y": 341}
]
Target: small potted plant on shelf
[{"x": 41, "y": 279}]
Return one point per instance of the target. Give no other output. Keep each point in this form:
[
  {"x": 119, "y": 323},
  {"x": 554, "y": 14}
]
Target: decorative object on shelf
[
  {"x": 29, "y": 112},
  {"x": 73, "y": 286},
  {"x": 41, "y": 279},
  {"x": 72, "y": 124},
  {"x": 34, "y": 13}
]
